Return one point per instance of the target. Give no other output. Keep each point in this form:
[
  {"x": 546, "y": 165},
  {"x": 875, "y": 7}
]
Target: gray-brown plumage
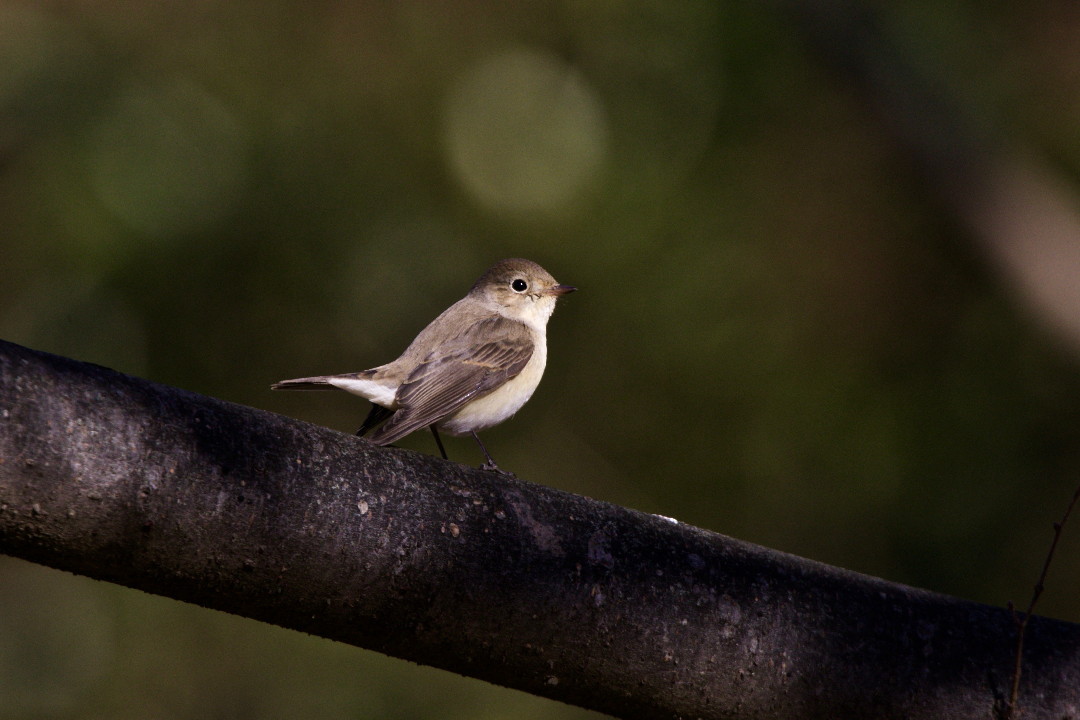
[{"x": 471, "y": 368}]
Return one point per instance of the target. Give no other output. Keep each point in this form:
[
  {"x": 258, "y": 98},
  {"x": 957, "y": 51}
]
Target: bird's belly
[{"x": 499, "y": 404}]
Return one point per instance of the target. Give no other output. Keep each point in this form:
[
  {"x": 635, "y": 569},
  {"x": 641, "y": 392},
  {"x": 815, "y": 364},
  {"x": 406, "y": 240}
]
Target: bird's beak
[{"x": 559, "y": 290}]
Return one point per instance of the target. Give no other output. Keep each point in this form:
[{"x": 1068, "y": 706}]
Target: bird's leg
[
  {"x": 490, "y": 464},
  {"x": 374, "y": 418},
  {"x": 438, "y": 441}
]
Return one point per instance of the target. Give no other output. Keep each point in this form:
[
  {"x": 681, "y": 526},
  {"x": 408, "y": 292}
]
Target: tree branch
[{"x": 631, "y": 614}]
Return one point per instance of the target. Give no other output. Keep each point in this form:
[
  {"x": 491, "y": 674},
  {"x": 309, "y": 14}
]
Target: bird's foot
[{"x": 492, "y": 467}]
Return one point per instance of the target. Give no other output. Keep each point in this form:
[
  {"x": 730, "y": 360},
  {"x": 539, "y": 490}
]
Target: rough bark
[{"x": 631, "y": 614}]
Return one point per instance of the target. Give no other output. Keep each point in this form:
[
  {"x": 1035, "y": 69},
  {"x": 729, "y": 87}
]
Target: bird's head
[{"x": 521, "y": 290}]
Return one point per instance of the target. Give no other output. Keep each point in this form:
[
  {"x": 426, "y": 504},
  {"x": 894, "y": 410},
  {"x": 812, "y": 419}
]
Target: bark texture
[{"x": 631, "y": 614}]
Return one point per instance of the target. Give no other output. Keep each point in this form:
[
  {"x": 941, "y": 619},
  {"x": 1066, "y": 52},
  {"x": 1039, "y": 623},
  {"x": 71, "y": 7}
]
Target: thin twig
[{"x": 1012, "y": 709}]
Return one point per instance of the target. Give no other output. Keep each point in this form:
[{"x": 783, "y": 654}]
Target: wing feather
[{"x": 457, "y": 373}]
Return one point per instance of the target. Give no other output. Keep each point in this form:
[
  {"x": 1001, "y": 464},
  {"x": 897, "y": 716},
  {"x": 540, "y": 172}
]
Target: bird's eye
[{"x": 519, "y": 285}]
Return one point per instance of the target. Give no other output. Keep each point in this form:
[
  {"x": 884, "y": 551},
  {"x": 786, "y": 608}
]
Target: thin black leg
[
  {"x": 490, "y": 464},
  {"x": 438, "y": 441},
  {"x": 374, "y": 418}
]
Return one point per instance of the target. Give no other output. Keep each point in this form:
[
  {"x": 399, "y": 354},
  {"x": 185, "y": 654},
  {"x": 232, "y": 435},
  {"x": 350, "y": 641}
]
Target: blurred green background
[{"x": 785, "y": 331}]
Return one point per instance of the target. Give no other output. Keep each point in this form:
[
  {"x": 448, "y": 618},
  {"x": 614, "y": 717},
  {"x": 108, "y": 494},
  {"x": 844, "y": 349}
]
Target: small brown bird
[{"x": 473, "y": 367}]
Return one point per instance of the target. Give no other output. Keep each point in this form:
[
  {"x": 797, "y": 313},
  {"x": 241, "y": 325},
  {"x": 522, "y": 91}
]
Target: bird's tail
[{"x": 309, "y": 383}]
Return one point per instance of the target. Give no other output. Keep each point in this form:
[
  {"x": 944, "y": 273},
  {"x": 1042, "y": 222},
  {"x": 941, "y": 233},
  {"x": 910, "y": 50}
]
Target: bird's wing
[{"x": 453, "y": 375}]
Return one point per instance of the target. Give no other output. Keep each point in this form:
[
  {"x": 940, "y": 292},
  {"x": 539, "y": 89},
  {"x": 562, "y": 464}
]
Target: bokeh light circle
[{"x": 524, "y": 132}]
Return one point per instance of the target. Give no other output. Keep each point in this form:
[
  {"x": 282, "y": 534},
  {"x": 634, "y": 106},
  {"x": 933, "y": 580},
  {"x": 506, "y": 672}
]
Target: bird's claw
[{"x": 492, "y": 467}]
